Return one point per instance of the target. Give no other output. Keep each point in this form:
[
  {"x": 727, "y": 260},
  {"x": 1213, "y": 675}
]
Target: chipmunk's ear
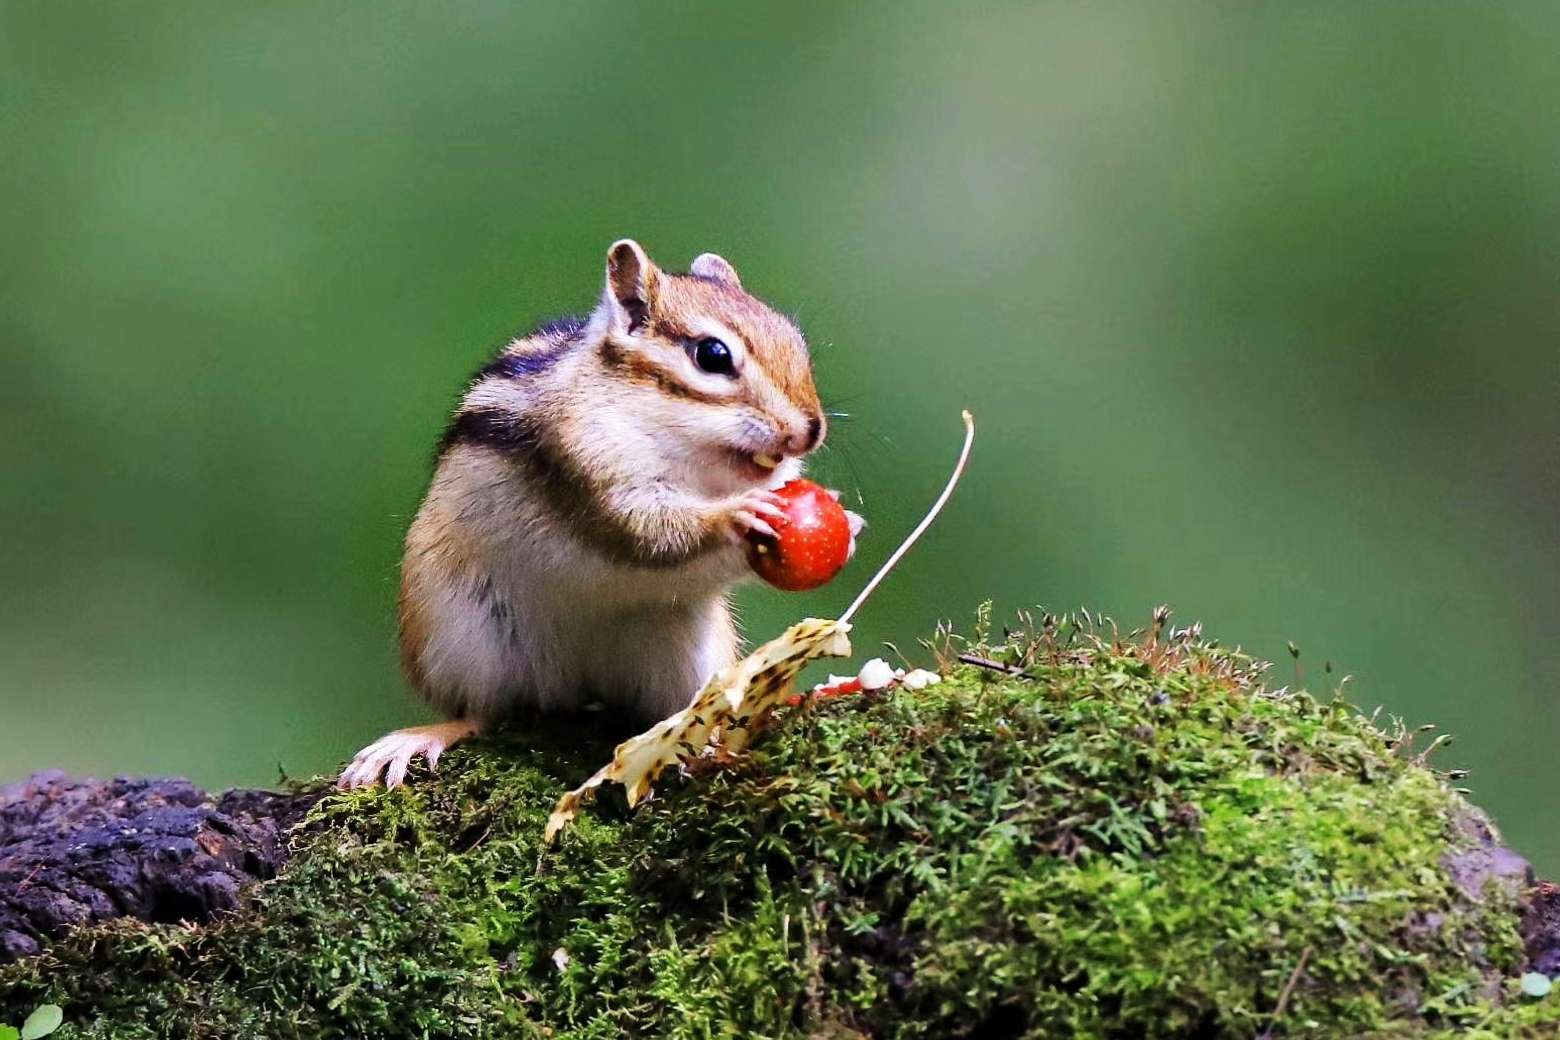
[
  {"x": 631, "y": 282},
  {"x": 716, "y": 269}
]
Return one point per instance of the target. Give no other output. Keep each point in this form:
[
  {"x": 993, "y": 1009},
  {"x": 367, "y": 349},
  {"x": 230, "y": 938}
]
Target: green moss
[{"x": 1129, "y": 839}]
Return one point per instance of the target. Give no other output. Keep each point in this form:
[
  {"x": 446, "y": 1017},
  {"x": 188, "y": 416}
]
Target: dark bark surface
[
  {"x": 74, "y": 852},
  {"x": 1541, "y": 928},
  {"x": 1490, "y": 861}
]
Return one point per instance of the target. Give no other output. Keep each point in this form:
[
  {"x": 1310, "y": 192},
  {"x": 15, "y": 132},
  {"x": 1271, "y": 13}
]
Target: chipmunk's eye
[{"x": 713, "y": 356}]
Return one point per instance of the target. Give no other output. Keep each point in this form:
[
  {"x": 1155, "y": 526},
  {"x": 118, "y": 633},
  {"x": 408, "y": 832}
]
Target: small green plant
[{"x": 45, "y": 1019}]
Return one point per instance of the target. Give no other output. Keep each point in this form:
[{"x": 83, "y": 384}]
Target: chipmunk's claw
[
  {"x": 752, "y": 514},
  {"x": 392, "y": 754},
  {"x": 856, "y": 521},
  {"x": 857, "y": 524}
]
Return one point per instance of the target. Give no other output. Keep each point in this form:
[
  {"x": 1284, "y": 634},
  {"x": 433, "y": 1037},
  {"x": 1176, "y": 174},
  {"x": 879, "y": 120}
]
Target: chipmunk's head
[{"x": 723, "y": 379}]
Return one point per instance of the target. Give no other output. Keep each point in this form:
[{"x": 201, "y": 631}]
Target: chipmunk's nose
[{"x": 802, "y": 441}]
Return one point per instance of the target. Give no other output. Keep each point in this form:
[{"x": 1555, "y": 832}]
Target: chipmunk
[{"x": 591, "y": 507}]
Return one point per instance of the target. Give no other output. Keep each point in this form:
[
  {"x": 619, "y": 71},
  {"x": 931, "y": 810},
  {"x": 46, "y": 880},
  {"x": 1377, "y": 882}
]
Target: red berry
[{"x": 812, "y": 543}]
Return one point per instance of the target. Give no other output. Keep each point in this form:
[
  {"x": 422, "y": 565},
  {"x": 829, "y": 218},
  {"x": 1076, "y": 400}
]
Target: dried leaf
[{"x": 725, "y": 715}]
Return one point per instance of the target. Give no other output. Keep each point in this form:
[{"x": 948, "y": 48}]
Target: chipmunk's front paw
[
  {"x": 751, "y": 514},
  {"x": 857, "y": 522},
  {"x": 391, "y": 754}
]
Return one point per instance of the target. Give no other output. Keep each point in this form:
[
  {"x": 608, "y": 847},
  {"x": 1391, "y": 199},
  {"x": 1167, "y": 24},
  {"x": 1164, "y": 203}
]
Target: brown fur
[
  {"x": 575, "y": 498},
  {"x": 436, "y": 554},
  {"x": 413, "y": 635},
  {"x": 637, "y": 368},
  {"x": 772, "y": 339}
]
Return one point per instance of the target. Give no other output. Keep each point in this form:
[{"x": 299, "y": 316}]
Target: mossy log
[{"x": 1083, "y": 836}]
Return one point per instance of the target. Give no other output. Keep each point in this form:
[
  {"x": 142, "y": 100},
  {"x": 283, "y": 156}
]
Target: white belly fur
[{"x": 518, "y": 614}]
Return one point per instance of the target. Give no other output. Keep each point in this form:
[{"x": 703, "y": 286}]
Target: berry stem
[{"x": 926, "y": 521}]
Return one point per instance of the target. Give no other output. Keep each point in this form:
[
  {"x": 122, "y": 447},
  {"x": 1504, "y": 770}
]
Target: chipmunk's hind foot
[{"x": 392, "y": 753}]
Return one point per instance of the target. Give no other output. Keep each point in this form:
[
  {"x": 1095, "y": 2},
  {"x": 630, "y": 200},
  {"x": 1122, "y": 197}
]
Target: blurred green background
[{"x": 1255, "y": 305}]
